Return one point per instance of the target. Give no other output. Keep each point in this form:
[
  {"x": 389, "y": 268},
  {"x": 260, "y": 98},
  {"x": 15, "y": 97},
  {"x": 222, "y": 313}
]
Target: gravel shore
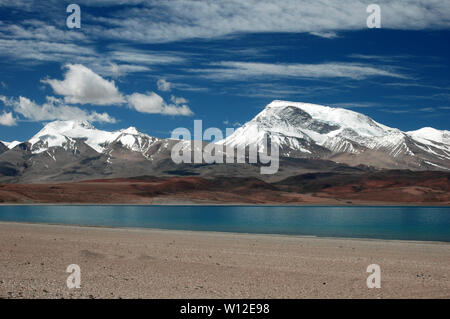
[{"x": 147, "y": 263}]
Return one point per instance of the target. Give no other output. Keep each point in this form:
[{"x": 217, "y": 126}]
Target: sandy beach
[{"x": 141, "y": 263}]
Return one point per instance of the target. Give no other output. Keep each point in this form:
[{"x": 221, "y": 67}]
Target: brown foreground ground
[{"x": 131, "y": 263}]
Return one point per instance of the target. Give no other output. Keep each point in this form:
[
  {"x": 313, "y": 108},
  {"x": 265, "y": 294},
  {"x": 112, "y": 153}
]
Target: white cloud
[
  {"x": 43, "y": 38},
  {"x": 164, "y": 85},
  {"x": 53, "y": 109},
  {"x": 7, "y": 119},
  {"x": 152, "y": 103},
  {"x": 31, "y": 51},
  {"x": 40, "y": 30},
  {"x": 178, "y": 100},
  {"x": 242, "y": 70},
  {"x": 83, "y": 86},
  {"x": 190, "y": 87},
  {"x": 354, "y": 105},
  {"x": 166, "y": 21},
  {"x": 134, "y": 56},
  {"x": 325, "y": 34},
  {"x": 43, "y": 51},
  {"x": 118, "y": 70}
]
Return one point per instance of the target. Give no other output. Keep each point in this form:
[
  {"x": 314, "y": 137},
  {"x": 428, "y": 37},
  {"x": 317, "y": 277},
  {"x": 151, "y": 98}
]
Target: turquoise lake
[{"x": 406, "y": 223}]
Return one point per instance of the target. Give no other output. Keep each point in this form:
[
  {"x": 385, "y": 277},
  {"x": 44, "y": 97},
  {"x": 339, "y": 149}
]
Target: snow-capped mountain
[
  {"x": 74, "y": 150},
  {"x": 65, "y": 134},
  {"x": 302, "y": 126},
  {"x": 312, "y": 138},
  {"x": 316, "y": 131}
]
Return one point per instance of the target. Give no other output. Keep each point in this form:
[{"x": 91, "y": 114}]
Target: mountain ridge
[{"x": 321, "y": 135}]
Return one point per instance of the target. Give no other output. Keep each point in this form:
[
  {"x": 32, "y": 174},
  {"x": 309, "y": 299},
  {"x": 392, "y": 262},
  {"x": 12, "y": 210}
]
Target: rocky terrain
[{"x": 384, "y": 187}]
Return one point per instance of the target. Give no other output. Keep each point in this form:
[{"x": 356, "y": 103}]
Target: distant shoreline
[
  {"x": 221, "y": 233},
  {"x": 233, "y": 205}
]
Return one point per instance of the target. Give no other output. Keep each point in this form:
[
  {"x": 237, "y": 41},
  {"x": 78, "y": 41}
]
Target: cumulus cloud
[
  {"x": 229, "y": 70},
  {"x": 53, "y": 109},
  {"x": 164, "y": 85},
  {"x": 152, "y": 103},
  {"x": 83, "y": 86},
  {"x": 7, "y": 119}
]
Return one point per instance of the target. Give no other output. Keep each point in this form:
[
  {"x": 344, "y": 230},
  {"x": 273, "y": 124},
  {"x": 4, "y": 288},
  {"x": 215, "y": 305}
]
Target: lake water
[{"x": 408, "y": 223}]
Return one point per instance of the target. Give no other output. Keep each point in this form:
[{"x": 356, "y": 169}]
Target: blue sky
[{"x": 158, "y": 65}]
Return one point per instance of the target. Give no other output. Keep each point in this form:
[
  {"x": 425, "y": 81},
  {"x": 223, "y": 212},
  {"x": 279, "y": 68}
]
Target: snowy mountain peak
[
  {"x": 63, "y": 133},
  {"x": 429, "y": 134},
  {"x": 62, "y": 126},
  {"x": 336, "y": 117},
  {"x": 60, "y": 133},
  {"x": 130, "y": 130},
  {"x": 305, "y": 127}
]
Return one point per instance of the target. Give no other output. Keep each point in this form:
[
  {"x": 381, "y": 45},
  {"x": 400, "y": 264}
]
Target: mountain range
[
  {"x": 313, "y": 131},
  {"x": 312, "y": 138}
]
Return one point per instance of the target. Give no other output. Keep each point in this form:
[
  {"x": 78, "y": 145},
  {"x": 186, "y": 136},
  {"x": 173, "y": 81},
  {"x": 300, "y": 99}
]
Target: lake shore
[{"x": 148, "y": 263}]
